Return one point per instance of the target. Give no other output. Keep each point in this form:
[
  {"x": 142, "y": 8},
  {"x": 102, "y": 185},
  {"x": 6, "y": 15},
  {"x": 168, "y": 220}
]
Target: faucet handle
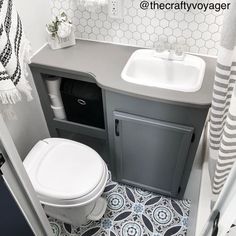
[
  {"x": 179, "y": 49},
  {"x": 160, "y": 46}
]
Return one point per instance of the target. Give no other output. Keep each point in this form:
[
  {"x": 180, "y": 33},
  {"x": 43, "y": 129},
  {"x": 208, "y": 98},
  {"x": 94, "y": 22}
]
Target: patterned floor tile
[{"x": 133, "y": 212}]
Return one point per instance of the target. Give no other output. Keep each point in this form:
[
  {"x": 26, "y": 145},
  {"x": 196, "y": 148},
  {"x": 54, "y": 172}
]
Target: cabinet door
[{"x": 149, "y": 153}]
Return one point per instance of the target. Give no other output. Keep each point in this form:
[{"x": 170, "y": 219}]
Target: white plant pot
[{"x": 57, "y": 42}]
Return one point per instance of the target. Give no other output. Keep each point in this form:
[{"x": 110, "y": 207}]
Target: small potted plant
[{"x": 60, "y": 32}]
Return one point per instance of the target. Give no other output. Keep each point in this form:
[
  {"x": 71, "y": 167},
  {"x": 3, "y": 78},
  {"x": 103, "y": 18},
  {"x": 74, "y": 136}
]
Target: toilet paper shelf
[
  {"x": 80, "y": 128},
  {"x": 66, "y": 92}
]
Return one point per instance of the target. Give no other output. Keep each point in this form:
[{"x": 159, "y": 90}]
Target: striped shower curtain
[{"x": 223, "y": 111}]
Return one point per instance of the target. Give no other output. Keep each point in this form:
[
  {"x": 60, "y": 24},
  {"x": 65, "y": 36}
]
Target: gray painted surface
[
  {"x": 150, "y": 153},
  {"x": 177, "y": 114},
  {"x": 106, "y": 61},
  {"x": 192, "y": 191},
  {"x": 89, "y": 135}
]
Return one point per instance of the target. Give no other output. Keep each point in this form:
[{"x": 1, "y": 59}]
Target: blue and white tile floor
[{"x": 133, "y": 212}]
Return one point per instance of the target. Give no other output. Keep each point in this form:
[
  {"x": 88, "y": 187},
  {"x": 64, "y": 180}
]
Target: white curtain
[{"x": 223, "y": 111}]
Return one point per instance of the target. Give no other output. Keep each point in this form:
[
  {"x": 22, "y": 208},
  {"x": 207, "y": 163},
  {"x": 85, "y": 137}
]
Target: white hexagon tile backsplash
[{"x": 199, "y": 30}]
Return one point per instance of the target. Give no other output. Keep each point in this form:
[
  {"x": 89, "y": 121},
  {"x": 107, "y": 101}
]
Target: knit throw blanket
[{"x": 14, "y": 56}]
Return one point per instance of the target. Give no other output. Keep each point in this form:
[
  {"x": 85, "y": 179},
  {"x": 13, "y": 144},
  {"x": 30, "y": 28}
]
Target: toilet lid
[{"x": 64, "y": 169}]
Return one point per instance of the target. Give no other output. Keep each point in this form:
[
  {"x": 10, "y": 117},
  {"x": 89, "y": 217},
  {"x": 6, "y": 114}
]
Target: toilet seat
[{"x": 65, "y": 173}]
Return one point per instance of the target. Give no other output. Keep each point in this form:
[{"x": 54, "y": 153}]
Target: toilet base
[{"x": 78, "y": 215}]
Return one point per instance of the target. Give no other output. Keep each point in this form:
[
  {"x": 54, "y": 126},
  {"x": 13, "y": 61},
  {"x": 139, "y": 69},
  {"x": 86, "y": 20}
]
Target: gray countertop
[{"x": 105, "y": 61}]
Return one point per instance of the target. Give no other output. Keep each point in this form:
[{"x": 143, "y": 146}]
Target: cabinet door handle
[
  {"x": 117, "y": 132},
  {"x": 81, "y": 101},
  {"x": 193, "y": 138}
]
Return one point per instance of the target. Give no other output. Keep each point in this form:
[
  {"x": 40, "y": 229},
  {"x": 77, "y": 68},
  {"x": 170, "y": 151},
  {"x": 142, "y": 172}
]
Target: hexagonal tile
[
  {"x": 189, "y": 17},
  {"x": 216, "y": 37},
  {"x": 187, "y": 33},
  {"x": 132, "y": 42},
  {"x": 190, "y": 42},
  {"x": 141, "y": 28},
  {"x": 214, "y": 28},
  {"x": 193, "y": 26},
  {"x": 132, "y": 27},
  {"x": 86, "y": 15},
  {"x": 132, "y": 12},
  {"x": 87, "y": 29},
  {"x": 57, "y": 4},
  {"x": 199, "y": 18},
  {"x": 150, "y": 29},
  {"x": 170, "y": 15},
  {"x": 197, "y": 34},
  {"x": 206, "y": 35},
  {"x": 108, "y": 38},
  {"x": 177, "y": 32},
  {"x": 102, "y": 16},
  {"x": 137, "y": 20},
  {"x": 65, "y": 5},
  {"x": 155, "y": 22},
  {"x": 183, "y": 25},
  {"x": 136, "y": 35},
  {"x": 128, "y": 19},
  {"x": 159, "y": 30},
  {"x": 210, "y": 19},
  {"x": 128, "y": 34},
  {"x": 107, "y": 25},
  {"x": 119, "y": 33},
  {"x": 91, "y": 22},
  {"x": 103, "y": 31},
  {"x": 210, "y": 44},
  {"x": 164, "y": 23},
  {"x": 55, "y": 12},
  {"x": 151, "y": 14},
  {"x": 201, "y": 30},
  {"x": 179, "y": 16},
  {"x": 200, "y": 43},
  {"x": 194, "y": 49},
  {"x": 124, "y": 26},
  {"x": 168, "y": 31},
  {"x": 124, "y": 40},
  {"x": 111, "y": 32},
  {"x": 83, "y": 22},
  {"x": 98, "y": 23},
  {"x": 145, "y": 36},
  {"x": 173, "y": 24},
  {"x": 203, "y": 27},
  {"x": 140, "y": 43},
  {"x": 146, "y": 21},
  {"x": 95, "y": 30}
]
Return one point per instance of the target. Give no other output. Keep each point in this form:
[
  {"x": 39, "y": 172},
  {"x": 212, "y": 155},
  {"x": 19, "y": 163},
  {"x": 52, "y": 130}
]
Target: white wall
[{"x": 30, "y": 126}]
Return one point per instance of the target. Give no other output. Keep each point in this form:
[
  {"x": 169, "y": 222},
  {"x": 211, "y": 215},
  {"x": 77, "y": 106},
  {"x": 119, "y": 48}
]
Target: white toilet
[{"x": 69, "y": 178}]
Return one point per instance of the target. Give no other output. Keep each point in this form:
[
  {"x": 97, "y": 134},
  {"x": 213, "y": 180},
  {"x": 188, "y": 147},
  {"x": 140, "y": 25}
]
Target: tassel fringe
[{"x": 10, "y": 96}]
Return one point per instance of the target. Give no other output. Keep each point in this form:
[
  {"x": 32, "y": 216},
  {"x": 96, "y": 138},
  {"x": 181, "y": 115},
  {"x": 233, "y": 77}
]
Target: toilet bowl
[{"x": 69, "y": 179}]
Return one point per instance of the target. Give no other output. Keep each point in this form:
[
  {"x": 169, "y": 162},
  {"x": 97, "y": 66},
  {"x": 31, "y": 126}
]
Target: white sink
[{"x": 145, "y": 68}]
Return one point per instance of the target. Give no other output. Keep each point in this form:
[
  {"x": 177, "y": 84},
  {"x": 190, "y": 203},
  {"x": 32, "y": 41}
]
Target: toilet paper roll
[
  {"x": 56, "y": 101},
  {"x": 53, "y": 85},
  {"x": 59, "y": 112}
]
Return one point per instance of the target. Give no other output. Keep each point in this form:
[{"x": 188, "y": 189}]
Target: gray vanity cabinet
[
  {"x": 150, "y": 153},
  {"x": 152, "y": 143}
]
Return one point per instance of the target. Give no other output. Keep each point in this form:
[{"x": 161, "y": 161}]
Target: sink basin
[{"x": 145, "y": 68}]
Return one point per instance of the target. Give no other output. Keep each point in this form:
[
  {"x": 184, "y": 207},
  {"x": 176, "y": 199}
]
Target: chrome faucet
[{"x": 167, "y": 51}]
